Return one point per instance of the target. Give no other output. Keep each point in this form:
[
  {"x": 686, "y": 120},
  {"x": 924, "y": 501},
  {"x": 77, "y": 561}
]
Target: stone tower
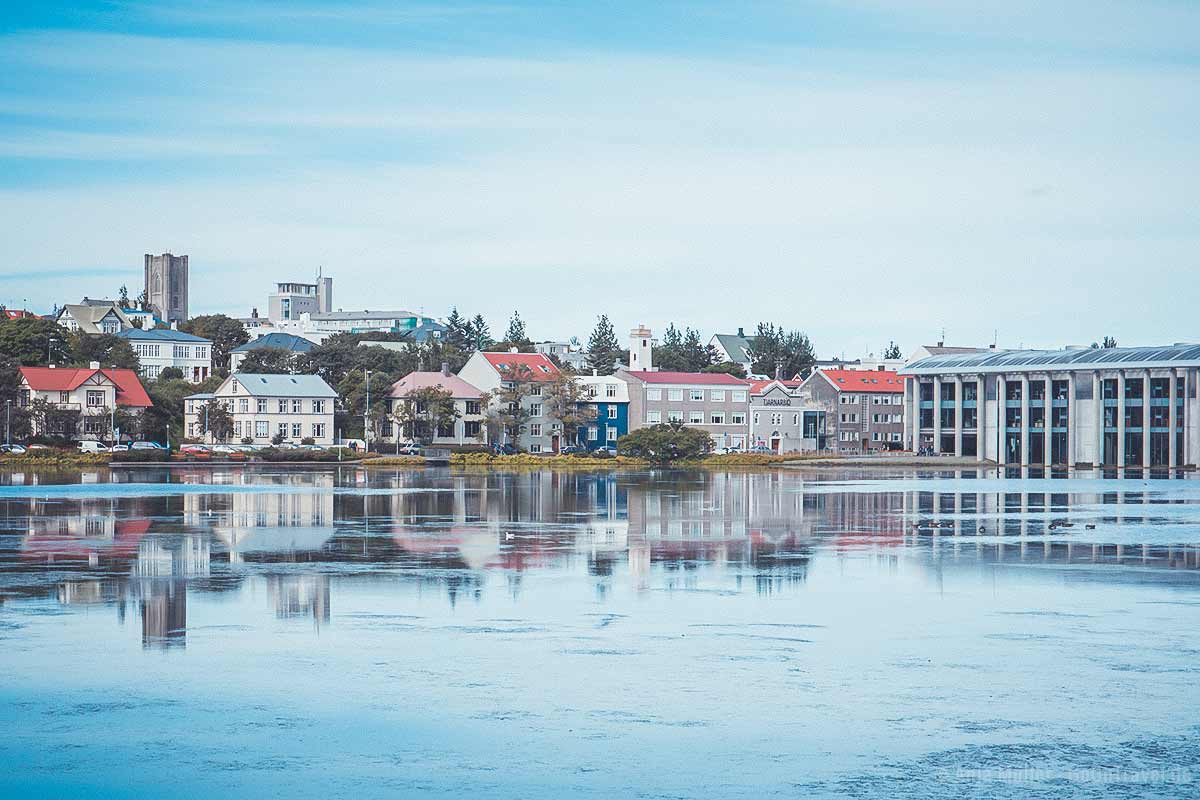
[{"x": 167, "y": 286}]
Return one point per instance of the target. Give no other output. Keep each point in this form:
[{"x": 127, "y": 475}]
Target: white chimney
[
  {"x": 514, "y": 349},
  {"x": 93, "y": 365},
  {"x": 641, "y": 349}
]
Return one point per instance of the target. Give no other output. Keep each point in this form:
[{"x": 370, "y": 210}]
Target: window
[
  {"x": 612, "y": 412},
  {"x": 535, "y": 410},
  {"x": 535, "y": 448},
  {"x": 95, "y": 399},
  {"x": 654, "y": 394},
  {"x": 850, "y": 418},
  {"x": 261, "y": 430},
  {"x": 262, "y": 406},
  {"x": 591, "y": 390},
  {"x": 297, "y": 431},
  {"x": 535, "y": 429},
  {"x": 675, "y": 395},
  {"x": 296, "y": 405},
  {"x": 472, "y": 406},
  {"x": 244, "y": 405},
  {"x": 610, "y": 433},
  {"x": 283, "y": 406},
  {"x": 674, "y": 416},
  {"x": 696, "y": 417},
  {"x": 610, "y": 390},
  {"x": 717, "y": 395},
  {"x": 64, "y": 397},
  {"x": 318, "y": 406},
  {"x": 593, "y": 433},
  {"x": 717, "y": 418},
  {"x": 237, "y": 428},
  {"x": 737, "y": 418},
  {"x": 653, "y": 417},
  {"x": 738, "y": 396},
  {"x": 697, "y": 395},
  {"x": 471, "y": 428},
  {"x": 283, "y": 429},
  {"x": 535, "y": 391}
]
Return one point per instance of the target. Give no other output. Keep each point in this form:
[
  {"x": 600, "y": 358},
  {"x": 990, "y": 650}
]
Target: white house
[
  {"x": 93, "y": 392},
  {"x": 93, "y": 317},
  {"x": 158, "y": 348},
  {"x": 468, "y": 428},
  {"x": 292, "y": 407},
  {"x": 491, "y": 372}
]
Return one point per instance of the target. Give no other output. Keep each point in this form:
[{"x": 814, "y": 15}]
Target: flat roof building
[{"x": 1120, "y": 406}]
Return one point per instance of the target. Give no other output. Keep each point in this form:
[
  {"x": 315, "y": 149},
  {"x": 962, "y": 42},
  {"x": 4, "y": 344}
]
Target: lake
[{"x": 345, "y": 631}]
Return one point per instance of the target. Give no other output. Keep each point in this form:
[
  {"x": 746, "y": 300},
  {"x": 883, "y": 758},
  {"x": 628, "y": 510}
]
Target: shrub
[
  {"x": 308, "y": 440},
  {"x": 140, "y": 456},
  {"x": 663, "y": 444}
]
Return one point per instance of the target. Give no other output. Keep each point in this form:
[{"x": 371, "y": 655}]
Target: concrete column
[
  {"x": 1048, "y": 421},
  {"x": 1001, "y": 417},
  {"x": 1025, "y": 420},
  {"x": 1121, "y": 418},
  {"x": 1071, "y": 428},
  {"x": 937, "y": 413},
  {"x": 958, "y": 411},
  {"x": 1146, "y": 420},
  {"x": 1098, "y": 413},
  {"x": 915, "y": 422},
  {"x": 980, "y": 416},
  {"x": 1172, "y": 420}
]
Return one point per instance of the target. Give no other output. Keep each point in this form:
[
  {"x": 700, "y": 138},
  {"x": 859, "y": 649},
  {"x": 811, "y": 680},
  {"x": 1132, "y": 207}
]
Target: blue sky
[{"x": 862, "y": 170}]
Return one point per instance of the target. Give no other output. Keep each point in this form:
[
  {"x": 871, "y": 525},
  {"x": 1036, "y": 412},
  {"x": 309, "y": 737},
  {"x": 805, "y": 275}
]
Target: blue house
[{"x": 609, "y": 395}]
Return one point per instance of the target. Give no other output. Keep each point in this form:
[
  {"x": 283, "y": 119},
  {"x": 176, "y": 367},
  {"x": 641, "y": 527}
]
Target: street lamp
[
  {"x": 367, "y": 413},
  {"x": 8, "y": 421}
]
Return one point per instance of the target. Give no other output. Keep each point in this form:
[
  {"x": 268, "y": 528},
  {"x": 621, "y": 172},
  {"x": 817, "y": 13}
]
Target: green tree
[
  {"x": 727, "y": 368},
  {"x": 478, "y": 334},
  {"x": 516, "y": 329},
  {"x": 123, "y": 297},
  {"x": 143, "y": 301},
  {"x": 778, "y": 353},
  {"x": 170, "y": 374},
  {"x": 892, "y": 351},
  {"x": 423, "y": 412},
  {"x": 566, "y": 401},
  {"x": 15, "y": 418},
  {"x": 163, "y": 421},
  {"x": 224, "y": 332},
  {"x": 107, "y": 348},
  {"x": 353, "y": 392},
  {"x": 603, "y": 348},
  {"x": 458, "y": 330},
  {"x": 54, "y": 422},
  {"x": 268, "y": 361},
  {"x": 28, "y": 340},
  {"x": 663, "y": 444},
  {"x": 510, "y": 412},
  {"x": 220, "y": 422}
]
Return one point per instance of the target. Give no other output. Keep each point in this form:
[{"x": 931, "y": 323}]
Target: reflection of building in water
[
  {"x": 163, "y": 605},
  {"x": 159, "y": 581},
  {"x": 300, "y": 596}
]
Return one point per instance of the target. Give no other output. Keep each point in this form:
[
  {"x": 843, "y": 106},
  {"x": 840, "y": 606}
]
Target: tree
[
  {"x": 727, "y": 368},
  {"x": 107, "y": 348},
  {"x": 353, "y": 392},
  {"x": 510, "y": 412},
  {"x": 683, "y": 351},
  {"x": 603, "y": 348},
  {"x": 566, "y": 401},
  {"x": 53, "y": 421},
  {"x": 892, "y": 351},
  {"x": 220, "y": 422},
  {"x": 425, "y": 411},
  {"x": 170, "y": 374},
  {"x": 478, "y": 335},
  {"x": 458, "y": 331},
  {"x": 776, "y": 352},
  {"x": 665, "y": 443},
  {"x": 143, "y": 301},
  {"x": 123, "y": 297},
  {"x": 516, "y": 329},
  {"x": 163, "y": 421},
  {"x": 224, "y": 332},
  {"x": 16, "y": 418},
  {"x": 137, "y": 323},
  {"x": 28, "y": 339},
  {"x": 268, "y": 361},
  {"x": 1109, "y": 343}
]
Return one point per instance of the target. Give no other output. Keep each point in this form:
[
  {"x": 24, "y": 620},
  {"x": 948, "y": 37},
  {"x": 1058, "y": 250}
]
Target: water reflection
[{"x": 86, "y": 540}]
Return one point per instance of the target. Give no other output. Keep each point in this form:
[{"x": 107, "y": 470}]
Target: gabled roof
[
  {"x": 161, "y": 335},
  {"x": 861, "y": 380},
  {"x": 687, "y": 378},
  {"x": 130, "y": 391},
  {"x": 540, "y": 366},
  {"x": 460, "y": 389},
  {"x": 738, "y": 347},
  {"x": 88, "y": 316},
  {"x": 764, "y": 386},
  {"x": 283, "y": 341},
  {"x": 281, "y": 385}
]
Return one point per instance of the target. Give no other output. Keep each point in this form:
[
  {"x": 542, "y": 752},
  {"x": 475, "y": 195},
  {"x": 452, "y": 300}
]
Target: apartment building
[
  {"x": 864, "y": 408},
  {"x": 468, "y": 428},
  {"x": 291, "y": 407},
  {"x": 494, "y": 372},
  {"x": 159, "y": 348},
  {"x": 608, "y": 395}
]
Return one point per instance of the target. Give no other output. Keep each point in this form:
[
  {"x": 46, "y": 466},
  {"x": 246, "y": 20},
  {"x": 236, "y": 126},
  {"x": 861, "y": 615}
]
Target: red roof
[
  {"x": 864, "y": 380},
  {"x": 757, "y": 387},
  {"x": 460, "y": 389},
  {"x": 539, "y": 364},
  {"x": 687, "y": 378},
  {"x": 130, "y": 391}
]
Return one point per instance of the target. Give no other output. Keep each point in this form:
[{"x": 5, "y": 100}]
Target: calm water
[{"x": 657, "y": 634}]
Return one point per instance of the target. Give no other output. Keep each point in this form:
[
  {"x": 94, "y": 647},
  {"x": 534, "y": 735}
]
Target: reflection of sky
[{"x": 491, "y": 638}]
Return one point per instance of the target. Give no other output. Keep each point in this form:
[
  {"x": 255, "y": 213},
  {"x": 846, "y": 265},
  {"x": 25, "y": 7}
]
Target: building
[
  {"x": 609, "y": 396},
  {"x": 167, "y": 286},
  {"x": 291, "y": 299},
  {"x": 356, "y": 322},
  {"x": 159, "y": 348},
  {"x": 733, "y": 347},
  {"x": 290, "y": 407},
  {"x": 941, "y": 349},
  {"x": 493, "y": 372},
  {"x": 570, "y": 354},
  {"x": 93, "y": 317},
  {"x": 93, "y": 392},
  {"x": 279, "y": 341},
  {"x": 468, "y": 428},
  {"x": 865, "y": 408},
  {"x": 1122, "y": 406},
  {"x": 141, "y": 319},
  {"x": 785, "y": 418}
]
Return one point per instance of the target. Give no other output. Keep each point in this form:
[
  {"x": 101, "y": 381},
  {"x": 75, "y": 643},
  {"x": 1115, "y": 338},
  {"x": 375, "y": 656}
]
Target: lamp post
[
  {"x": 206, "y": 422},
  {"x": 8, "y": 421},
  {"x": 367, "y": 413},
  {"x": 49, "y": 343}
]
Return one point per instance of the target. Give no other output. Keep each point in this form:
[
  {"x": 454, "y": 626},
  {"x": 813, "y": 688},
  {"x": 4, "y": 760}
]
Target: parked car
[
  {"x": 573, "y": 449},
  {"x": 90, "y": 446},
  {"x": 605, "y": 451},
  {"x": 147, "y": 446},
  {"x": 15, "y": 449},
  {"x": 408, "y": 450},
  {"x": 761, "y": 449},
  {"x": 119, "y": 448}
]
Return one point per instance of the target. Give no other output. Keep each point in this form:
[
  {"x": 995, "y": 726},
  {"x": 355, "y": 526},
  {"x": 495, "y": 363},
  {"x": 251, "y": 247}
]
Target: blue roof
[
  {"x": 1177, "y": 355},
  {"x": 283, "y": 341},
  {"x": 161, "y": 335}
]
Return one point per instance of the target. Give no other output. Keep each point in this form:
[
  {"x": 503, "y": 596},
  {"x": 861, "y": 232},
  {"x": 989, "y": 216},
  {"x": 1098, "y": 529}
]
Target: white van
[{"x": 89, "y": 446}]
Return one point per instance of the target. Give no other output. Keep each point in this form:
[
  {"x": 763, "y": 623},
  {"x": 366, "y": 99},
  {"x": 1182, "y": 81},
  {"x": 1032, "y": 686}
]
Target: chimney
[
  {"x": 742, "y": 332},
  {"x": 514, "y": 349},
  {"x": 992, "y": 346},
  {"x": 93, "y": 365},
  {"x": 941, "y": 344},
  {"x": 446, "y": 368},
  {"x": 174, "y": 325},
  {"x": 595, "y": 372},
  {"x": 51, "y": 366}
]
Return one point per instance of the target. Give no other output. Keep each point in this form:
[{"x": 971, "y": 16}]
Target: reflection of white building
[
  {"x": 256, "y": 521},
  {"x": 300, "y": 596}
]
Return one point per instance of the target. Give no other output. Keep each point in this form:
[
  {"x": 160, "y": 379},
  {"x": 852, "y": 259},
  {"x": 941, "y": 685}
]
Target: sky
[{"x": 863, "y": 170}]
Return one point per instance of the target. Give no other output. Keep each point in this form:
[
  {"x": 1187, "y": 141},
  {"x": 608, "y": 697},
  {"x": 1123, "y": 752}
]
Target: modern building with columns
[{"x": 1121, "y": 406}]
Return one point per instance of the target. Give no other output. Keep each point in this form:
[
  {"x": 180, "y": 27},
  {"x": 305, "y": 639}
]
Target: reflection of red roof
[
  {"x": 863, "y": 380},
  {"x": 687, "y": 378},
  {"x": 539, "y": 365},
  {"x": 55, "y": 547},
  {"x": 130, "y": 391}
]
